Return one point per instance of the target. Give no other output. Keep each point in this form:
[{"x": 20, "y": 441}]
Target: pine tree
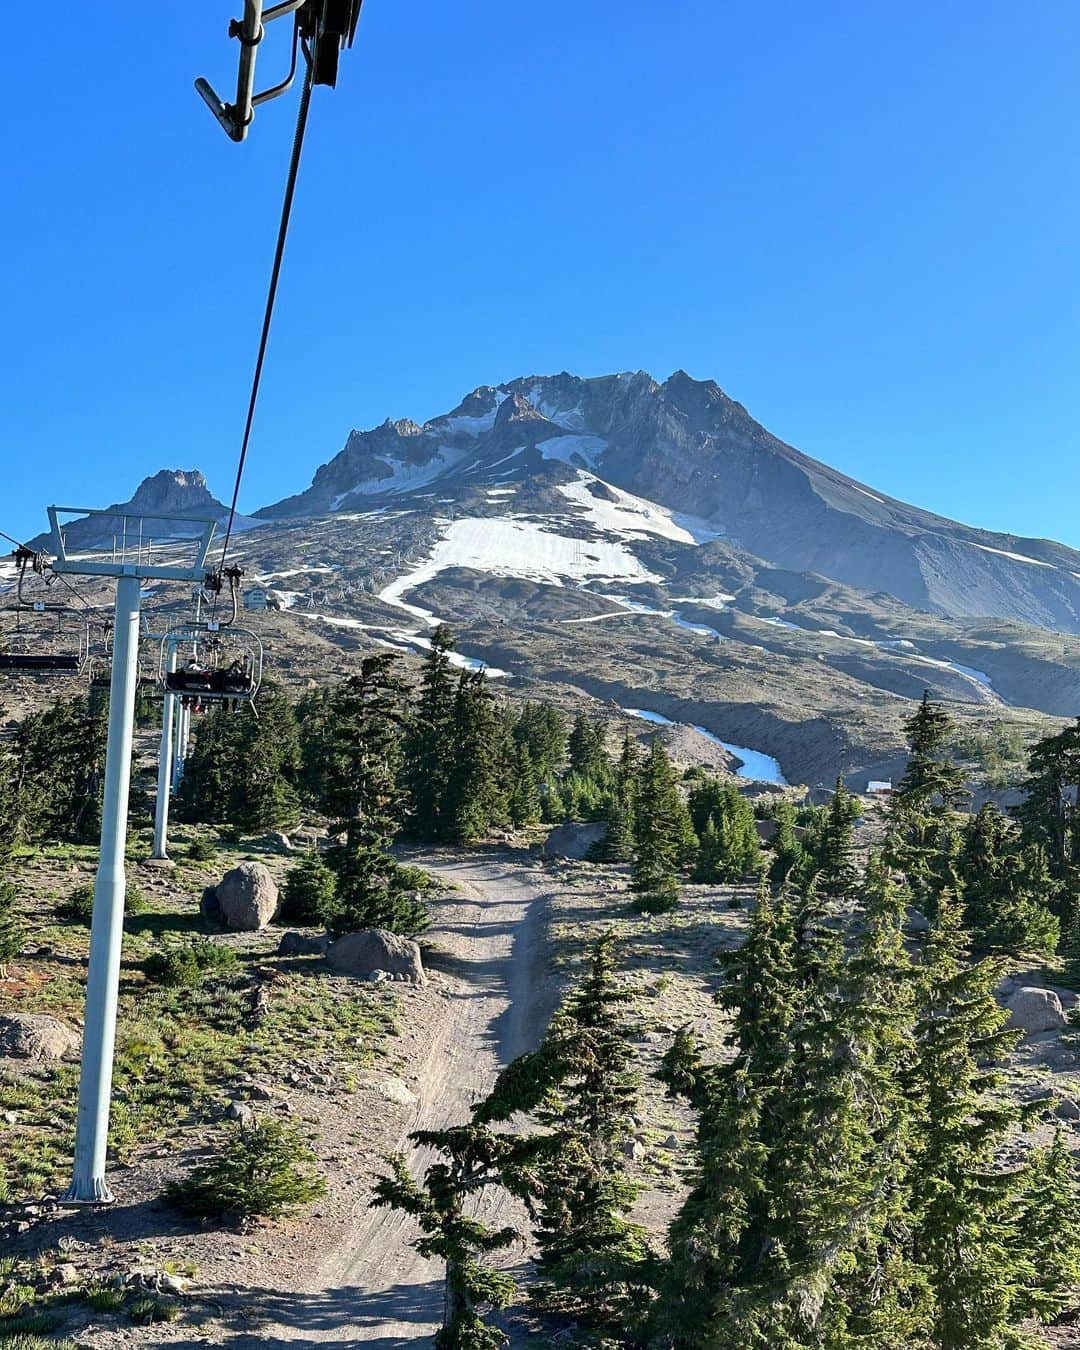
[
  {"x": 963, "y": 1204},
  {"x": 360, "y": 777},
  {"x": 931, "y": 777},
  {"x": 788, "y": 852},
  {"x": 473, "y": 800},
  {"x": 429, "y": 750},
  {"x": 523, "y": 801},
  {"x": 586, "y": 747},
  {"x": 617, "y": 844},
  {"x": 1046, "y": 1233},
  {"x": 594, "y": 1263},
  {"x": 473, "y": 1157},
  {"x": 12, "y": 932},
  {"x": 727, "y": 832},
  {"x": 242, "y": 768},
  {"x": 309, "y": 890},
  {"x": 1004, "y": 884},
  {"x": 660, "y": 824},
  {"x": 837, "y": 869},
  {"x": 540, "y": 728}
]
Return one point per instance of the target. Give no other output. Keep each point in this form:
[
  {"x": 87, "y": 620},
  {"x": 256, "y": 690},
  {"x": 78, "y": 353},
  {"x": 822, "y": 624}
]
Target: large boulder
[
  {"x": 574, "y": 840},
  {"x": 246, "y": 897},
  {"x": 36, "y": 1036},
  {"x": 1033, "y": 1010},
  {"x": 374, "y": 949},
  {"x": 301, "y": 944}
]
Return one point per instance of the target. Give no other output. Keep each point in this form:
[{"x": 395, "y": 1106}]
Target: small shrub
[
  {"x": 189, "y": 965},
  {"x": 146, "y": 1310},
  {"x": 105, "y": 1298},
  {"x": 135, "y": 902},
  {"x": 201, "y": 850},
  {"x": 79, "y": 906},
  {"x": 308, "y": 891},
  {"x": 263, "y": 1170}
]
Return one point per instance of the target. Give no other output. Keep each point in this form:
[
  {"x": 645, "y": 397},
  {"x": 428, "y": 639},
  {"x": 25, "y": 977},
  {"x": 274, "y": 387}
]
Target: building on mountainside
[
  {"x": 881, "y": 788},
  {"x": 255, "y": 597}
]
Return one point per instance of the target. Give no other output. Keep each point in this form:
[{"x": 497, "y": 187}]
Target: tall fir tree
[
  {"x": 836, "y": 865},
  {"x": 523, "y": 800},
  {"x": 964, "y": 1204},
  {"x": 361, "y": 792},
  {"x": 661, "y": 827},
  {"x": 429, "y": 749},
  {"x": 1005, "y": 884},
  {"x": 580, "y": 1087},
  {"x": 617, "y": 843},
  {"x": 472, "y": 1158},
  {"x": 787, "y": 851},
  {"x": 473, "y": 800}
]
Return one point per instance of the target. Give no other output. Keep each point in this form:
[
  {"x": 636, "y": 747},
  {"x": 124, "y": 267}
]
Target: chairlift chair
[
  {"x": 27, "y": 655},
  {"x": 224, "y": 665}
]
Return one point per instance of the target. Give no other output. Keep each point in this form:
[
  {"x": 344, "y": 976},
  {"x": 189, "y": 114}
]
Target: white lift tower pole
[
  {"x": 165, "y": 767},
  {"x": 89, "y": 1186}
]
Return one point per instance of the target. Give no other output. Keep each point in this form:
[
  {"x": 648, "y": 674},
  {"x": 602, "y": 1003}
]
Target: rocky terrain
[{"x": 651, "y": 547}]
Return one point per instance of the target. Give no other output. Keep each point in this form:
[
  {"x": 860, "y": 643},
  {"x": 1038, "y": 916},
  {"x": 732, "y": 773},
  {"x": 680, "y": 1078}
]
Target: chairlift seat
[{"x": 41, "y": 662}]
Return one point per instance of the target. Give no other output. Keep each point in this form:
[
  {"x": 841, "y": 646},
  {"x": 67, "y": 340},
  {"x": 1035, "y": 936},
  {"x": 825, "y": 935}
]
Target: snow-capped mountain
[{"x": 685, "y": 450}]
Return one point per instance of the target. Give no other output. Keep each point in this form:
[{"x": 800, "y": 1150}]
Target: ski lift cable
[
  {"x": 56, "y": 575},
  {"x": 275, "y": 274}
]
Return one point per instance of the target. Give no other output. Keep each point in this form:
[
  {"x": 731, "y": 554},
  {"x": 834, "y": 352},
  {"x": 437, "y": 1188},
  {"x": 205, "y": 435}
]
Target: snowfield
[
  {"x": 518, "y": 548},
  {"x": 754, "y": 765}
]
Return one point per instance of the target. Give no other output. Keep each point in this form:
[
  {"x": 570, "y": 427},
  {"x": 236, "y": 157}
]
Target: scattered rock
[
  {"x": 241, "y": 1112},
  {"x": 1035, "y": 1010},
  {"x": 915, "y": 921},
  {"x": 66, "y": 1273},
  {"x": 1067, "y": 1109},
  {"x": 573, "y": 840},
  {"x": 36, "y": 1036},
  {"x": 275, "y": 839},
  {"x": 374, "y": 949},
  {"x": 1004, "y": 989},
  {"x": 173, "y": 1284},
  {"x": 301, "y": 944},
  {"x": 396, "y": 1090},
  {"x": 634, "y": 1149},
  {"x": 247, "y": 897}
]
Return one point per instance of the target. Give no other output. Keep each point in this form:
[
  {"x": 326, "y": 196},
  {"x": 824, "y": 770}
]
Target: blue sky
[{"x": 861, "y": 220}]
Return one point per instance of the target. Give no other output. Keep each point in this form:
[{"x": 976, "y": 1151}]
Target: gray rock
[
  {"x": 301, "y": 944},
  {"x": 1033, "y": 1010},
  {"x": 36, "y": 1036},
  {"x": 915, "y": 921},
  {"x": 241, "y": 1112},
  {"x": 573, "y": 840},
  {"x": 279, "y": 840},
  {"x": 397, "y": 1091},
  {"x": 247, "y": 897},
  {"x": 373, "y": 950},
  {"x": 1067, "y": 1109},
  {"x": 1004, "y": 989}
]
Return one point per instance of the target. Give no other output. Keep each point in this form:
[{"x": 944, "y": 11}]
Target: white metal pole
[
  {"x": 88, "y": 1186},
  {"x": 165, "y": 756}
]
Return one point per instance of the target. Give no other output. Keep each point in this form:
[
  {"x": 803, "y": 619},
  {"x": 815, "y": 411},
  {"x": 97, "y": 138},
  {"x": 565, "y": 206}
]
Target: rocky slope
[{"x": 688, "y": 447}]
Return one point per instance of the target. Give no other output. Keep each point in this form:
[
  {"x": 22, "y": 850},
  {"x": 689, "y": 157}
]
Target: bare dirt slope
[{"x": 489, "y": 950}]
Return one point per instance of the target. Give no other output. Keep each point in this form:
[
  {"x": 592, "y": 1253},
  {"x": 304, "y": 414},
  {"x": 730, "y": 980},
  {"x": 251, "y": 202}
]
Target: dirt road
[{"x": 490, "y": 953}]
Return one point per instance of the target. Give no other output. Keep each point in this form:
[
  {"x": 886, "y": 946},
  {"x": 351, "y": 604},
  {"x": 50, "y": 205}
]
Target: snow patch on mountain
[
  {"x": 619, "y": 512},
  {"x": 1016, "y": 557},
  {"x": 404, "y": 477}
]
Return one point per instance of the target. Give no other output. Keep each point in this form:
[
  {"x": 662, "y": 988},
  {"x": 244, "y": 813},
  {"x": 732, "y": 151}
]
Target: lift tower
[{"x": 131, "y": 564}]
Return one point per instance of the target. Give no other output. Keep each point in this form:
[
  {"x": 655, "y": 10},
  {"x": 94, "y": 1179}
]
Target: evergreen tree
[
  {"x": 541, "y": 730},
  {"x": 1048, "y": 813},
  {"x": 54, "y": 775},
  {"x": 923, "y": 836},
  {"x": 473, "y": 1157},
  {"x": 730, "y": 849},
  {"x": 523, "y": 802},
  {"x": 617, "y": 845},
  {"x": 473, "y": 799},
  {"x": 429, "y": 750},
  {"x": 242, "y": 767},
  {"x": 661, "y": 821},
  {"x": 837, "y": 870},
  {"x": 309, "y": 891},
  {"x": 787, "y": 851},
  {"x": 1004, "y": 884},
  {"x": 963, "y": 1204},
  {"x": 1046, "y": 1233},
  {"x": 588, "y": 757},
  {"x": 361, "y": 791},
  {"x": 12, "y": 932},
  {"x": 580, "y": 1087}
]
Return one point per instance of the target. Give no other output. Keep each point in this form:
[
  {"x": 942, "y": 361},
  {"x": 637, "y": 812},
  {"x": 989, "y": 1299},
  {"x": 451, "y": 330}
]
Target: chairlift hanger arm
[{"x": 326, "y": 26}]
